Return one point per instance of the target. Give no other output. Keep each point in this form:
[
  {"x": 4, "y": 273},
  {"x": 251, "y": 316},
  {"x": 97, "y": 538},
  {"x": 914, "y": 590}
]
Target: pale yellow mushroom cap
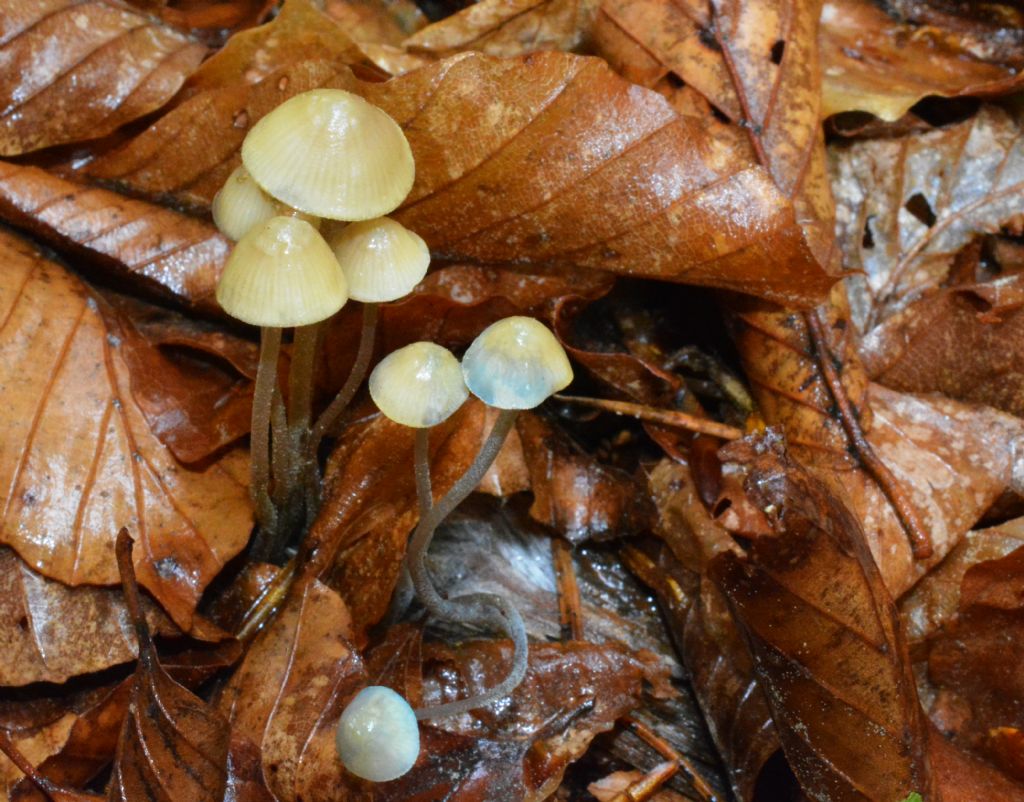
[
  {"x": 419, "y": 385},
  {"x": 241, "y": 204},
  {"x": 378, "y": 737},
  {"x": 330, "y": 153},
  {"x": 382, "y": 259},
  {"x": 281, "y": 274},
  {"x": 516, "y": 363}
]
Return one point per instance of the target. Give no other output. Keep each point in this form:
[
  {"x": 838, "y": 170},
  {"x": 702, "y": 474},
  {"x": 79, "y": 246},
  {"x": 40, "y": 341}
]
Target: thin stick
[
  {"x": 664, "y": 748},
  {"x": 481, "y": 609},
  {"x": 666, "y": 417},
  {"x": 130, "y": 587},
  {"x": 570, "y": 614},
  {"x": 259, "y": 450},
  {"x": 917, "y": 534},
  {"x": 644, "y": 788},
  {"x": 345, "y": 395}
]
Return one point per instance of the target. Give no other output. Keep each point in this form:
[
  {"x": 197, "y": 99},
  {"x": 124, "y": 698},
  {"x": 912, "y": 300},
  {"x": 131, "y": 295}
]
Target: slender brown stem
[
  {"x": 666, "y": 417},
  {"x": 480, "y": 609},
  {"x": 130, "y": 587},
  {"x": 421, "y": 461},
  {"x": 917, "y": 534},
  {"x": 664, "y": 748},
  {"x": 570, "y": 613},
  {"x": 259, "y": 451},
  {"x": 300, "y": 376},
  {"x": 329, "y": 416},
  {"x": 279, "y": 457}
]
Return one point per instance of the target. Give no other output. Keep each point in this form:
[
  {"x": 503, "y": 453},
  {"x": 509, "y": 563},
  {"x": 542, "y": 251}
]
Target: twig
[
  {"x": 570, "y": 610},
  {"x": 666, "y": 417}
]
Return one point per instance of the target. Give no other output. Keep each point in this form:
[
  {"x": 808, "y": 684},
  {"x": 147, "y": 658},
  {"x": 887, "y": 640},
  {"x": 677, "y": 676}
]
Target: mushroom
[
  {"x": 241, "y": 204},
  {"x": 378, "y": 738},
  {"x": 382, "y": 261},
  {"x": 513, "y": 364},
  {"x": 280, "y": 274}
]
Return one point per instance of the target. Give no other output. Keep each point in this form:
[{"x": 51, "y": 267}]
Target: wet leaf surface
[
  {"x": 878, "y": 63},
  {"x": 113, "y": 66},
  {"x": 563, "y": 163},
  {"x": 70, "y": 486}
]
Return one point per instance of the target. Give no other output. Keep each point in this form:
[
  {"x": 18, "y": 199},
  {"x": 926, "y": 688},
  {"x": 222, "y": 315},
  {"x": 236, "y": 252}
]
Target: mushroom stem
[
  {"x": 259, "y": 449},
  {"x": 421, "y": 460},
  {"x": 300, "y": 376},
  {"x": 480, "y": 609}
]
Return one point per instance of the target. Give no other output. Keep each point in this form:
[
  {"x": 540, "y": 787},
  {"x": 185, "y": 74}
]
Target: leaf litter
[{"x": 825, "y": 609}]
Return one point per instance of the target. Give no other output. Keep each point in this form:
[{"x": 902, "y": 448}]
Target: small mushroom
[
  {"x": 418, "y": 386},
  {"x": 514, "y": 364},
  {"x": 241, "y": 205},
  {"x": 280, "y": 274},
  {"x": 378, "y": 738},
  {"x": 332, "y": 154}
]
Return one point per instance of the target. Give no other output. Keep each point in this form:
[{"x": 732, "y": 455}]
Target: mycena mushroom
[
  {"x": 280, "y": 274},
  {"x": 241, "y": 205},
  {"x": 514, "y": 364},
  {"x": 377, "y": 737}
]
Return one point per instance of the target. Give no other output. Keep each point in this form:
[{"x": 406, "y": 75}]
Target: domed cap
[
  {"x": 378, "y": 738},
  {"x": 329, "y": 153},
  {"x": 419, "y": 385},
  {"x": 241, "y": 204},
  {"x": 516, "y": 363},
  {"x": 280, "y": 274},
  {"x": 382, "y": 259}
]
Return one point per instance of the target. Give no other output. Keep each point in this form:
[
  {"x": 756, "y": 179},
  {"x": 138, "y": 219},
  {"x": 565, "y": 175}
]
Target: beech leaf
[
  {"x": 172, "y": 744},
  {"x": 564, "y": 133},
  {"x": 74, "y": 71},
  {"x": 79, "y": 459},
  {"x": 907, "y": 205},
  {"x": 874, "y": 62}
]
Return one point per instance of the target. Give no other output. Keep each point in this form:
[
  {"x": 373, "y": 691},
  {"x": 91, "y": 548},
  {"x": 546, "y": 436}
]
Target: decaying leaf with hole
[
  {"x": 76, "y": 71},
  {"x": 79, "y": 459},
  {"x": 559, "y": 135}
]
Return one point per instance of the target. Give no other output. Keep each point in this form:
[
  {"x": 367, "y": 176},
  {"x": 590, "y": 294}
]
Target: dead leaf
[
  {"x": 79, "y": 459},
  {"x": 876, "y": 63},
  {"x": 825, "y": 638},
  {"x": 907, "y": 205},
  {"x": 288, "y": 693},
  {"x": 161, "y": 252},
  {"x": 172, "y": 744},
  {"x": 299, "y": 32},
  {"x": 922, "y": 348},
  {"x": 563, "y": 134},
  {"x": 79, "y": 70},
  {"x": 757, "y": 63},
  {"x": 507, "y": 28}
]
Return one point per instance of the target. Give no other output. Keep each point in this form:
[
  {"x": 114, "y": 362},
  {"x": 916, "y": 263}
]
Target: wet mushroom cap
[
  {"x": 382, "y": 259},
  {"x": 241, "y": 204},
  {"x": 332, "y": 154},
  {"x": 378, "y": 738},
  {"x": 282, "y": 273},
  {"x": 516, "y": 363},
  {"x": 419, "y": 386}
]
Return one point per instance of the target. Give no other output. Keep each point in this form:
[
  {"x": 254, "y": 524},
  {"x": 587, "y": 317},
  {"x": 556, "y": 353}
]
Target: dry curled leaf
[
  {"x": 79, "y": 70},
  {"x": 907, "y": 205},
  {"x": 79, "y": 459},
  {"x": 874, "y": 62},
  {"x": 562, "y": 134},
  {"x": 825, "y": 638},
  {"x": 159, "y": 251},
  {"x": 173, "y": 745}
]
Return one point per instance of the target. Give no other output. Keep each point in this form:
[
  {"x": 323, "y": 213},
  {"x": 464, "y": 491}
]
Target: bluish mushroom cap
[{"x": 378, "y": 738}]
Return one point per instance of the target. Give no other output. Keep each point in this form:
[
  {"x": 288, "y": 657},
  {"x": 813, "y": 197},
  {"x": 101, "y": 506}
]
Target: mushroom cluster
[
  {"x": 512, "y": 365},
  {"x": 325, "y": 159}
]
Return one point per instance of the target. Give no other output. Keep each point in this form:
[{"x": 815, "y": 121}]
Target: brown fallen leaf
[
  {"x": 876, "y": 63},
  {"x": 300, "y": 31},
  {"x": 172, "y": 744},
  {"x": 757, "y": 63},
  {"x": 571, "y": 693},
  {"x": 75, "y": 71},
  {"x": 825, "y": 638},
  {"x": 507, "y": 28},
  {"x": 287, "y": 694},
  {"x": 79, "y": 460},
  {"x": 907, "y": 205},
  {"x": 564, "y": 133},
  {"x": 921, "y": 348},
  {"x": 154, "y": 249}
]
